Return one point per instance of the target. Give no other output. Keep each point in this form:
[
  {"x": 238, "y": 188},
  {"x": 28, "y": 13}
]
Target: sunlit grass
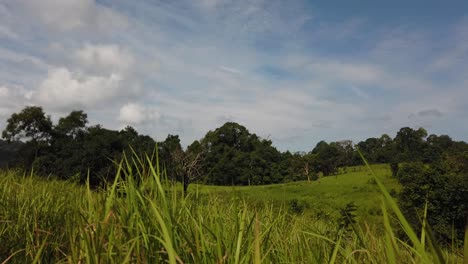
[{"x": 141, "y": 218}]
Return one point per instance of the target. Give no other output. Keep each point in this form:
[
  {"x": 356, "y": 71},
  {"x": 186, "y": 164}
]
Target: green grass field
[
  {"x": 50, "y": 221},
  {"x": 325, "y": 196}
]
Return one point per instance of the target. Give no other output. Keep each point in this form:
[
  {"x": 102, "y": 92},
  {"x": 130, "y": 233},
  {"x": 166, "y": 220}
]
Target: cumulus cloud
[
  {"x": 11, "y": 99},
  {"x": 104, "y": 58},
  {"x": 136, "y": 114},
  {"x": 132, "y": 114},
  {"x": 93, "y": 76},
  {"x": 63, "y": 89}
]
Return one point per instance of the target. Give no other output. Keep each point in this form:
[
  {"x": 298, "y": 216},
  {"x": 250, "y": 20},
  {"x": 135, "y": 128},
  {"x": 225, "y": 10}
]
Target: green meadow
[
  {"x": 145, "y": 219},
  {"x": 324, "y": 197}
]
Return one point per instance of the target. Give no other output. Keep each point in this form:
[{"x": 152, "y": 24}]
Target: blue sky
[{"x": 296, "y": 72}]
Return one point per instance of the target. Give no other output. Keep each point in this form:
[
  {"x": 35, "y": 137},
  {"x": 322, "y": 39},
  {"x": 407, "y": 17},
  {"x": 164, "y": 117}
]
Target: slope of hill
[{"x": 324, "y": 197}]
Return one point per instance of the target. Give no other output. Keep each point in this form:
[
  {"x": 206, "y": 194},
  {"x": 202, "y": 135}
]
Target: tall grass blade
[
  {"x": 37, "y": 258},
  {"x": 336, "y": 248},
  {"x": 423, "y": 228},
  {"x": 390, "y": 242},
  {"x": 465, "y": 242},
  {"x": 240, "y": 236},
  {"x": 401, "y": 218},
  {"x": 257, "y": 252}
]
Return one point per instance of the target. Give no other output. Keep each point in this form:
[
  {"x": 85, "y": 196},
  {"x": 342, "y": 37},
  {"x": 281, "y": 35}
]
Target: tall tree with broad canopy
[
  {"x": 31, "y": 124},
  {"x": 234, "y": 156},
  {"x": 73, "y": 124},
  {"x": 410, "y": 143}
]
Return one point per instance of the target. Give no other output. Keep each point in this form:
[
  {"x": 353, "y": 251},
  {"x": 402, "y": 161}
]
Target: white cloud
[
  {"x": 132, "y": 114},
  {"x": 19, "y": 57},
  {"x": 63, "y": 89},
  {"x": 104, "y": 58},
  {"x": 92, "y": 76},
  {"x": 136, "y": 114},
  {"x": 11, "y": 99}
]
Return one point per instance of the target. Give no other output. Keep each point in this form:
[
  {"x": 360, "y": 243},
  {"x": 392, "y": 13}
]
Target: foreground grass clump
[{"x": 141, "y": 218}]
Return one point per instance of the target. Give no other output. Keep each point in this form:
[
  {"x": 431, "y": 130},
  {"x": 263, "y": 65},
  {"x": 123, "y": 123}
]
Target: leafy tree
[
  {"x": 345, "y": 153},
  {"x": 232, "y": 155},
  {"x": 410, "y": 144},
  {"x": 73, "y": 124},
  {"x": 133, "y": 142},
  {"x": 294, "y": 166},
  {"x": 327, "y": 157},
  {"x": 444, "y": 189},
  {"x": 377, "y": 150},
  {"x": 30, "y": 124},
  {"x": 101, "y": 148},
  {"x": 168, "y": 150}
]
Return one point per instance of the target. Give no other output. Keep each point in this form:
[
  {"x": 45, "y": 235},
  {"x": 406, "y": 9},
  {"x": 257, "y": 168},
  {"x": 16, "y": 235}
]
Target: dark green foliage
[
  {"x": 30, "y": 124},
  {"x": 9, "y": 153},
  {"x": 70, "y": 149},
  {"x": 166, "y": 151},
  {"x": 443, "y": 187},
  {"x": 314, "y": 177},
  {"x": 410, "y": 144},
  {"x": 72, "y": 125},
  {"x": 234, "y": 156},
  {"x": 394, "y": 167},
  {"x": 326, "y": 157},
  {"x": 296, "y": 207},
  {"x": 378, "y": 150},
  {"x": 347, "y": 216},
  {"x": 34, "y": 127},
  {"x": 295, "y": 166}
]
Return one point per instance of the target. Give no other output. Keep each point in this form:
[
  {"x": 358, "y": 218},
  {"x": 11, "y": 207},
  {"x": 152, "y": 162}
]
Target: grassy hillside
[
  {"x": 47, "y": 221},
  {"x": 323, "y": 197}
]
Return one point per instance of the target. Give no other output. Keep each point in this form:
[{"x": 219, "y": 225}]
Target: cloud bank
[{"x": 290, "y": 71}]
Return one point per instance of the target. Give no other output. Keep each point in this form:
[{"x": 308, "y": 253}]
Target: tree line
[{"x": 228, "y": 155}]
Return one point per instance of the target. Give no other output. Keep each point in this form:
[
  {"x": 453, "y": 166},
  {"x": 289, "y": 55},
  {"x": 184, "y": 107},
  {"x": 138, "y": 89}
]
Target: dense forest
[{"x": 432, "y": 169}]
